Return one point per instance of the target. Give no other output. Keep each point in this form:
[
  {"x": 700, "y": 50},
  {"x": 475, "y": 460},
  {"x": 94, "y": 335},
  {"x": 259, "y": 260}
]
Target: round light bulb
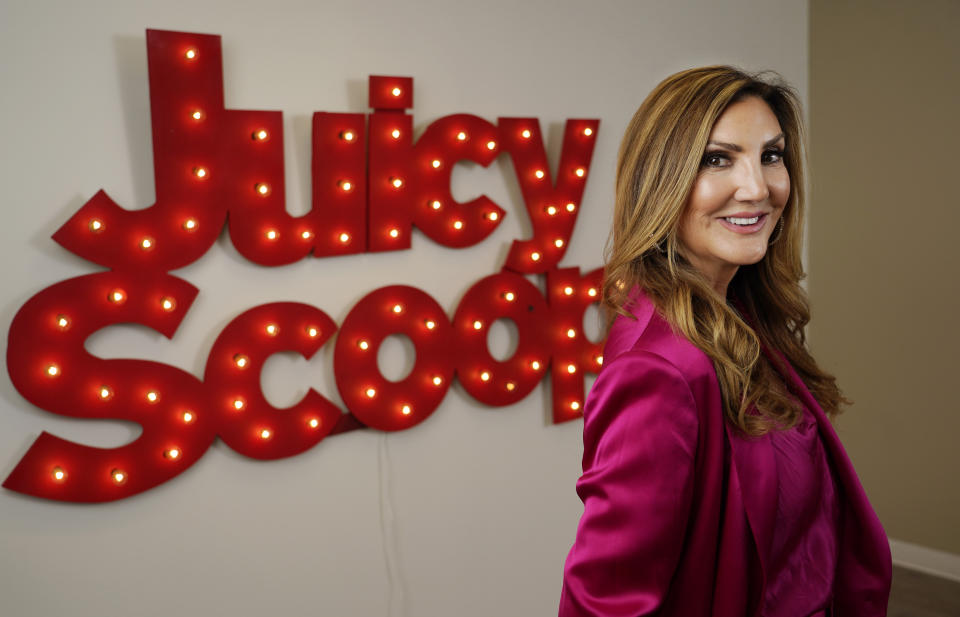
[
  {"x": 306, "y": 234},
  {"x": 396, "y": 91},
  {"x": 190, "y": 224},
  {"x": 58, "y": 474},
  {"x": 96, "y": 225},
  {"x": 344, "y": 238},
  {"x": 592, "y": 292},
  {"x": 262, "y": 188},
  {"x": 63, "y": 322},
  {"x": 571, "y": 333},
  {"x": 241, "y": 360},
  {"x": 525, "y": 133},
  {"x": 437, "y": 381},
  {"x": 363, "y": 345},
  {"x": 200, "y": 172},
  {"x": 197, "y": 114},
  {"x": 575, "y": 405},
  {"x": 571, "y": 368},
  {"x": 314, "y": 422},
  {"x": 52, "y": 370},
  {"x": 394, "y": 233},
  {"x": 190, "y": 54},
  {"x": 346, "y": 185},
  {"x": 580, "y": 172},
  {"x": 461, "y": 136},
  {"x": 430, "y": 324},
  {"x": 491, "y": 145},
  {"x": 261, "y": 135},
  {"x": 568, "y": 291},
  {"x": 493, "y": 216},
  {"x": 370, "y": 392},
  {"x": 119, "y": 476},
  {"x": 571, "y": 207},
  {"x": 485, "y": 376},
  {"x": 347, "y": 136},
  {"x": 105, "y": 393},
  {"x": 172, "y": 453},
  {"x": 458, "y": 225},
  {"x": 435, "y": 204},
  {"x": 535, "y": 256},
  {"x": 511, "y": 386},
  {"x": 539, "y": 174},
  {"x": 395, "y": 133},
  {"x": 436, "y": 163},
  {"x": 477, "y": 325},
  {"x": 588, "y": 131},
  {"x": 312, "y": 331},
  {"x": 272, "y": 329},
  {"x": 397, "y": 308},
  {"x": 599, "y": 359},
  {"x": 168, "y": 304},
  {"x": 187, "y": 417},
  {"x": 406, "y": 410},
  {"x": 239, "y": 403},
  {"x": 535, "y": 365},
  {"x": 265, "y": 434},
  {"x": 117, "y": 296},
  {"x": 551, "y": 210},
  {"x": 396, "y": 182},
  {"x": 558, "y": 243},
  {"x": 146, "y": 243},
  {"x": 509, "y": 296},
  {"x": 153, "y": 396},
  {"x": 271, "y": 234}
]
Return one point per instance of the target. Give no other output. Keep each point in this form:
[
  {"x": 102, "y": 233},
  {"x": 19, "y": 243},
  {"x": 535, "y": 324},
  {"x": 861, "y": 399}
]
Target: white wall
[{"x": 469, "y": 513}]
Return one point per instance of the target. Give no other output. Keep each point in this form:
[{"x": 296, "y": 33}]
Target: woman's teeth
[{"x": 737, "y": 221}]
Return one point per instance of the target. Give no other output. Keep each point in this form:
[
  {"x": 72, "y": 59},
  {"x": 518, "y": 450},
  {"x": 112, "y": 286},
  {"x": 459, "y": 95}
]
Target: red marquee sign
[{"x": 371, "y": 185}]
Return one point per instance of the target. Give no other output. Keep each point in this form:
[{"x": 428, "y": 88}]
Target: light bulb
[
  {"x": 105, "y": 393},
  {"x": 396, "y": 182},
  {"x": 396, "y": 91},
  {"x": 485, "y": 376},
  {"x": 551, "y": 210},
  {"x": 168, "y": 304},
  {"x": 187, "y": 417},
  {"x": 394, "y": 233},
  {"x": 511, "y": 386},
  {"x": 436, "y": 163},
  {"x": 261, "y": 135},
  {"x": 599, "y": 359},
  {"x": 345, "y": 185},
  {"x": 580, "y": 172},
  {"x": 509, "y": 296},
  {"x": 592, "y": 292},
  {"x": 588, "y": 131},
  {"x": 306, "y": 234},
  {"x": 262, "y": 188},
  {"x": 558, "y": 243},
  {"x": 491, "y": 145},
  {"x": 571, "y": 333},
  {"x": 190, "y": 224},
  {"x": 458, "y": 225},
  {"x": 535, "y": 365},
  {"x": 575, "y": 405},
  {"x": 239, "y": 403},
  {"x": 172, "y": 453},
  {"x": 363, "y": 345},
  {"x": 241, "y": 360},
  {"x": 406, "y": 410},
  {"x": 430, "y": 324},
  {"x": 370, "y": 392},
  {"x": 347, "y": 135},
  {"x": 197, "y": 114},
  {"x": 397, "y": 308},
  {"x": 461, "y": 136},
  {"x": 395, "y": 133},
  {"x": 271, "y": 329},
  {"x": 493, "y": 216},
  {"x": 96, "y": 225},
  {"x": 539, "y": 174},
  {"x": 146, "y": 243},
  {"x": 265, "y": 434},
  {"x": 63, "y": 322},
  {"x": 314, "y": 422},
  {"x": 435, "y": 204},
  {"x": 153, "y": 396},
  {"x": 190, "y": 54},
  {"x": 437, "y": 381},
  {"x": 477, "y": 325},
  {"x": 571, "y": 368},
  {"x": 525, "y": 133},
  {"x": 344, "y": 238},
  {"x": 52, "y": 370},
  {"x": 119, "y": 476},
  {"x": 117, "y": 296},
  {"x": 58, "y": 474},
  {"x": 568, "y": 291},
  {"x": 535, "y": 256},
  {"x": 200, "y": 172},
  {"x": 312, "y": 331},
  {"x": 271, "y": 234},
  {"x": 571, "y": 207}
]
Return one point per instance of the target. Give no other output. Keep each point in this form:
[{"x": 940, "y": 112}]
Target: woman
[{"x": 713, "y": 483}]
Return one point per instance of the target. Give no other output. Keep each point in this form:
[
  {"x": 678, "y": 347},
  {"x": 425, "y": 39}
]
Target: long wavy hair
[{"x": 658, "y": 163}]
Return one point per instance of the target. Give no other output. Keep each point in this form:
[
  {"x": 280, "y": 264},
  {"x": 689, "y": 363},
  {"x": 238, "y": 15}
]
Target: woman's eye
[
  {"x": 772, "y": 156},
  {"x": 713, "y": 159}
]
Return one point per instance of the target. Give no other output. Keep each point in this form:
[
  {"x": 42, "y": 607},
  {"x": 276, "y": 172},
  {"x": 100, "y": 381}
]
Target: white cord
[{"x": 387, "y": 537}]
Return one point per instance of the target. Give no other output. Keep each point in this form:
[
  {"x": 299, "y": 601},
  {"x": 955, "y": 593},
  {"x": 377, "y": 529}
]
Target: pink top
[{"x": 804, "y": 549}]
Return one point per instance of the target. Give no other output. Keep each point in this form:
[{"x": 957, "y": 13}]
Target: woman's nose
[{"x": 751, "y": 183}]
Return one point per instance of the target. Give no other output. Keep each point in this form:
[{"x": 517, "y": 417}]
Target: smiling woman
[{"x": 713, "y": 482}]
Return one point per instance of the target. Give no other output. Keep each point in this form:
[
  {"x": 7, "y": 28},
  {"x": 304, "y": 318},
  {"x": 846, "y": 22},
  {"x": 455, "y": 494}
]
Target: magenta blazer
[{"x": 679, "y": 510}]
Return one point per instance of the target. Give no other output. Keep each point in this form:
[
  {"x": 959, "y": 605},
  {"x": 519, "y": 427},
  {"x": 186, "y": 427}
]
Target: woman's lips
[{"x": 744, "y": 229}]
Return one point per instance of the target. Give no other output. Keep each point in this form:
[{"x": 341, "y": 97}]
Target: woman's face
[{"x": 739, "y": 193}]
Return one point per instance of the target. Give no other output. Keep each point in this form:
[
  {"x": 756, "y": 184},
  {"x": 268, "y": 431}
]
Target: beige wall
[{"x": 884, "y": 250}]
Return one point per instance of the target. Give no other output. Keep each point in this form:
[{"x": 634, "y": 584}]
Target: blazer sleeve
[{"x": 640, "y": 438}]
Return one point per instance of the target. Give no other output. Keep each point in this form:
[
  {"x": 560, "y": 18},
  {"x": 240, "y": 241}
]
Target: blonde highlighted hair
[{"x": 658, "y": 163}]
